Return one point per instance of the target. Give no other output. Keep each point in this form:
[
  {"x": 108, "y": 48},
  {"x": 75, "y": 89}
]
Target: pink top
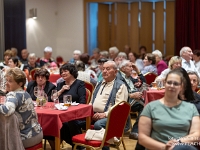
[{"x": 161, "y": 66}]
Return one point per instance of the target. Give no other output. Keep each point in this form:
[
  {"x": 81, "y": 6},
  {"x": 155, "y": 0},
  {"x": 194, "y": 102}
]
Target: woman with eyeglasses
[{"x": 170, "y": 123}]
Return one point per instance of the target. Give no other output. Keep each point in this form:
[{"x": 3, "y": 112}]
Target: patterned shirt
[{"x": 20, "y": 103}]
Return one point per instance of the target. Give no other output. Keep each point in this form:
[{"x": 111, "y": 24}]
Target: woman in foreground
[
  {"x": 169, "y": 123},
  {"x": 19, "y": 102}
]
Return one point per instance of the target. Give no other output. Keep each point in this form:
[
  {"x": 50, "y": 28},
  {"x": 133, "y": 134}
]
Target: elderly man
[
  {"x": 24, "y": 58},
  {"x": 125, "y": 75},
  {"x": 109, "y": 91},
  {"x": 187, "y": 63},
  {"x": 76, "y": 56}
]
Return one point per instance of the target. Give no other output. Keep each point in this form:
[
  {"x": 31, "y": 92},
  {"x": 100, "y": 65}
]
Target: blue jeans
[
  {"x": 184, "y": 147},
  {"x": 101, "y": 124}
]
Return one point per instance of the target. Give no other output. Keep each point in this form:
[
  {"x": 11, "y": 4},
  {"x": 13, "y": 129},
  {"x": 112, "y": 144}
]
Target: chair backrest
[
  {"x": 54, "y": 77},
  {"x": 88, "y": 96},
  {"x": 32, "y": 73},
  {"x": 198, "y": 91},
  {"x": 150, "y": 77},
  {"x": 116, "y": 121},
  {"x": 89, "y": 86}
]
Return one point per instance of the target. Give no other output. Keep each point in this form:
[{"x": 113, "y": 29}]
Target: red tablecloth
[
  {"x": 153, "y": 94},
  {"x": 51, "y": 120}
]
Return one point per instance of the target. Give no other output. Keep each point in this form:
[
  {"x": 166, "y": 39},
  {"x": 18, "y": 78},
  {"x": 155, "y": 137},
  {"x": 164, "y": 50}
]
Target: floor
[{"x": 130, "y": 144}]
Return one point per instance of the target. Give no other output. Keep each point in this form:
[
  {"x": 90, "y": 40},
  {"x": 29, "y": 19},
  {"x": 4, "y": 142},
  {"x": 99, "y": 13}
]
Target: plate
[
  {"x": 74, "y": 104},
  {"x": 61, "y": 107}
]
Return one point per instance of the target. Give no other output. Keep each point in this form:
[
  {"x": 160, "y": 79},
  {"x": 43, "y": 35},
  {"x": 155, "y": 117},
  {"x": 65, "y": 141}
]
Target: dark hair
[
  {"x": 151, "y": 57},
  {"x": 135, "y": 55},
  {"x": 71, "y": 68},
  {"x": 187, "y": 87},
  {"x": 143, "y": 47},
  {"x": 42, "y": 72},
  {"x": 85, "y": 58},
  {"x": 196, "y": 52},
  {"x": 15, "y": 61},
  {"x": 80, "y": 65}
]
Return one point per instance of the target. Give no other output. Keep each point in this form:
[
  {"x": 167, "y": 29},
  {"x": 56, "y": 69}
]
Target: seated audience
[
  {"x": 174, "y": 62},
  {"x": 71, "y": 86},
  {"x": 95, "y": 57},
  {"x": 159, "y": 124},
  {"x": 120, "y": 57},
  {"x": 127, "y": 49},
  {"x": 113, "y": 51},
  {"x": 76, "y": 56},
  {"x": 14, "y": 52},
  {"x": 160, "y": 64},
  {"x": 46, "y": 60},
  {"x": 24, "y": 56},
  {"x": 149, "y": 64},
  {"x": 133, "y": 57},
  {"x": 142, "y": 52},
  {"x": 20, "y": 102},
  {"x": 6, "y": 56},
  {"x": 107, "y": 93},
  {"x": 32, "y": 64},
  {"x": 196, "y": 59},
  {"x": 187, "y": 63},
  {"x": 41, "y": 81},
  {"x": 100, "y": 65},
  {"x": 104, "y": 54}
]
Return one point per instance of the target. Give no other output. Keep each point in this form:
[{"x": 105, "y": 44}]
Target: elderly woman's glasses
[{"x": 173, "y": 82}]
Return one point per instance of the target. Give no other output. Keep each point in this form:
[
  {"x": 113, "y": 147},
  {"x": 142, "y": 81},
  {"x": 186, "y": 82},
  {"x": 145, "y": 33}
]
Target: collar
[{"x": 104, "y": 82}]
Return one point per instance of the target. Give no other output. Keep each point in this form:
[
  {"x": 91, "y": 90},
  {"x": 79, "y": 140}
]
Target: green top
[{"x": 169, "y": 122}]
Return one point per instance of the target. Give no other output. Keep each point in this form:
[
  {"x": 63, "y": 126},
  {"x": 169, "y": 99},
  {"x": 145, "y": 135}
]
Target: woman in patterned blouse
[{"x": 19, "y": 102}]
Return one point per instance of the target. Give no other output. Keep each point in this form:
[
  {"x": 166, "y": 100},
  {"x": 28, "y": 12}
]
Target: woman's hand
[
  {"x": 65, "y": 87},
  {"x": 171, "y": 144},
  {"x": 136, "y": 95}
]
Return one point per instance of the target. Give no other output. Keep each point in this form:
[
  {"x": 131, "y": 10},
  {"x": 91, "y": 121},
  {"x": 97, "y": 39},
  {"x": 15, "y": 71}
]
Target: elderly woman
[
  {"x": 7, "y": 55},
  {"x": 20, "y": 103},
  {"x": 170, "y": 123},
  {"x": 149, "y": 64},
  {"x": 71, "y": 86},
  {"x": 41, "y": 81},
  {"x": 160, "y": 64},
  {"x": 133, "y": 57},
  {"x": 174, "y": 62},
  {"x": 32, "y": 64},
  {"x": 113, "y": 51}
]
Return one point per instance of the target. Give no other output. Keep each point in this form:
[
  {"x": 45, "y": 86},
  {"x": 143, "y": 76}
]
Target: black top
[
  {"x": 77, "y": 90},
  {"x": 47, "y": 89}
]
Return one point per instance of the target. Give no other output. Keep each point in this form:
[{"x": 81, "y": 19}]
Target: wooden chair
[
  {"x": 150, "y": 77},
  {"x": 89, "y": 86},
  {"x": 88, "y": 96},
  {"x": 114, "y": 128}
]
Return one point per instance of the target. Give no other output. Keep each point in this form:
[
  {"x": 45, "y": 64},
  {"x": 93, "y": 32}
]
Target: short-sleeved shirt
[{"x": 169, "y": 122}]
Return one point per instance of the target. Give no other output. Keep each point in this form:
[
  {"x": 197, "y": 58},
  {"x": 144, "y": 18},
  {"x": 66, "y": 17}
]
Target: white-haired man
[
  {"x": 160, "y": 64},
  {"x": 76, "y": 56},
  {"x": 187, "y": 63}
]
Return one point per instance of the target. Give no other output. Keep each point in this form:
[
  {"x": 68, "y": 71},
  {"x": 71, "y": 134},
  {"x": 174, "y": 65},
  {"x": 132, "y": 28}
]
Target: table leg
[{"x": 57, "y": 143}]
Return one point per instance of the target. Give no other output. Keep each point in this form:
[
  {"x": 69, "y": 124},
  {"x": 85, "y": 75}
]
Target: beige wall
[{"x": 59, "y": 24}]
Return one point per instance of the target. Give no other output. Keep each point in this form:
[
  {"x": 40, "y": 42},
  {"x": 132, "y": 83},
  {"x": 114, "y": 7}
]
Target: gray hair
[
  {"x": 77, "y": 52},
  {"x": 104, "y": 53},
  {"x": 31, "y": 55},
  {"x": 184, "y": 49},
  {"x": 122, "y": 54},
  {"x": 158, "y": 53},
  {"x": 189, "y": 72},
  {"x": 123, "y": 63},
  {"x": 113, "y": 64},
  {"x": 114, "y": 49}
]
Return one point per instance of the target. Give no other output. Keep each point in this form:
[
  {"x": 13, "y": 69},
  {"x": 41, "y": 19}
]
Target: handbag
[{"x": 95, "y": 134}]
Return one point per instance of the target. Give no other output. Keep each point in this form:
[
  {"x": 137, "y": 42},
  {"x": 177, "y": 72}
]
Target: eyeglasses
[{"x": 173, "y": 82}]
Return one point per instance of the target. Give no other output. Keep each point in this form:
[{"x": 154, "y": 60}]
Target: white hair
[
  {"x": 114, "y": 49},
  {"x": 123, "y": 63},
  {"x": 184, "y": 49},
  {"x": 77, "y": 52},
  {"x": 158, "y": 53},
  {"x": 111, "y": 62},
  {"x": 31, "y": 55},
  {"x": 122, "y": 54}
]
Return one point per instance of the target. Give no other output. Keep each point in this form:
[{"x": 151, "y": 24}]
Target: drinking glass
[
  {"x": 67, "y": 99},
  {"x": 41, "y": 98},
  {"x": 36, "y": 91},
  {"x": 54, "y": 97}
]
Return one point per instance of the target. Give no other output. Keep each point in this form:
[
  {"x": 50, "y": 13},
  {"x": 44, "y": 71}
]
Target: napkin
[{"x": 61, "y": 107}]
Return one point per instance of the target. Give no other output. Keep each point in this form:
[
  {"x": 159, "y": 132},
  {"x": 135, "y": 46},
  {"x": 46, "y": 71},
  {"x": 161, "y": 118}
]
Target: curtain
[
  {"x": 187, "y": 24},
  {"x": 2, "y": 44}
]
